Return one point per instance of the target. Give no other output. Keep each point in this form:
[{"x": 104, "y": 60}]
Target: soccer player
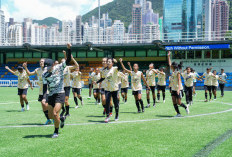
[
  {"x": 67, "y": 86},
  {"x": 208, "y": 83},
  {"x": 125, "y": 86},
  {"x": 150, "y": 78},
  {"x": 161, "y": 83},
  {"x": 96, "y": 88},
  {"x": 23, "y": 81},
  {"x": 196, "y": 75},
  {"x": 136, "y": 84},
  {"x": 188, "y": 82},
  {"x": 76, "y": 86},
  {"x": 42, "y": 88},
  {"x": 54, "y": 76},
  {"x": 91, "y": 73},
  {"x": 215, "y": 79},
  {"x": 176, "y": 86},
  {"x": 222, "y": 76}
]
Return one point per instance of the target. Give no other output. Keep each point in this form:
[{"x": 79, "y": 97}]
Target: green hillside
[
  {"x": 47, "y": 21},
  {"x": 122, "y": 10}
]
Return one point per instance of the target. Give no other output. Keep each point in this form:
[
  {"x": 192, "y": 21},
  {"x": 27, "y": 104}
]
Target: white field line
[
  {"x": 5, "y": 103},
  {"x": 120, "y": 122}
]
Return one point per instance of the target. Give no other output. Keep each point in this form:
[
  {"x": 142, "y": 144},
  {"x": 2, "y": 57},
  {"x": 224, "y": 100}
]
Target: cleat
[
  {"x": 164, "y": 101},
  {"x": 188, "y": 104},
  {"x": 187, "y": 110},
  {"x": 206, "y": 100},
  {"x": 82, "y": 103},
  {"x": 111, "y": 114},
  {"x": 139, "y": 111},
  {"x": 22, "y": 110},
  {"x": 62, "y": 122},
  {"x": 99, "y": 103},
  {"x": 76, "y": 107},
  {"x": 154, "y": 105},
  {"x": 28, "y": 108},
  {"x": 48, "y": 122},
  {"x": 178, "y": 115},
  {"x": 67, "y": 115},
  {"x": 148, "y": 105},
  {"x": 55, "y": 135},
  {"x": 116, "y": 118},
  {"x": 107, "y": 120},
  {"x": 143, "y": 110}
]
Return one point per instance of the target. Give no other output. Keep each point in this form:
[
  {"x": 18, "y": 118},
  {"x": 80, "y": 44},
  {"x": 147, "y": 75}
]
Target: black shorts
[
  {"x": 136, "y": 92},
  {"x": 42, "y": 97},
  {"x": 90, "y": 85},
  {"x": 214, "y": 88},
  {"x": 209, "y": 88},
  {"x": 22, "y": 91},
  {"x": 170, "y": 88},
  {"x": 174, "y": 93},
  {"x": 194, "y": 84},
  {"x": 67, "y": 91},
  {"x": 102, "y": 91},
  {"x": 161, "y": 88},
  {"x": 56, "y": 98},
  {"x": 152, "y": 89},
  {"x": 124, "y": 90},
  {"x": 96, "y": 90},
  {"x": 77, "y": 90}
]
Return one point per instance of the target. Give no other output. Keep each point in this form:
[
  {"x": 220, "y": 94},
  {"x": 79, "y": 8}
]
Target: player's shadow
[
  {"x": 165, "y": 116},
  {"x": 96, "y": 121},
  {"x": 130, "y": 112},
  {"x": 13, "y": 111},
  {"x": 32, "y": 124},
  {"x": 38, "y": 136},
  {"x": 95, "y": 116}
]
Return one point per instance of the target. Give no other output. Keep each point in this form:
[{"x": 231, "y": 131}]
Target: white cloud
[{"x": 40, "y": 9}]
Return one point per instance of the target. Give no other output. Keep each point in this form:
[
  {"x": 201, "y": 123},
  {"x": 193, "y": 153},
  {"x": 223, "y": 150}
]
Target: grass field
[{"x": 206, "y": 131}]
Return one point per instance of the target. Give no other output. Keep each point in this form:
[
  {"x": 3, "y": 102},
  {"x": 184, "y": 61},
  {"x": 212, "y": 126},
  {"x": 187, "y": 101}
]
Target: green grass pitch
[{"x": 206, "y": 131}]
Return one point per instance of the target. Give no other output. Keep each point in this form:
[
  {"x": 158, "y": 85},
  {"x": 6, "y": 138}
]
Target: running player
[
  {"x": 96, "y": 88},
  {"x": 91, "y": 74},
  {"x": 54, "y": 76},
  {"x": 125, "y": 86},
  {"x": 136, "y": 84},
  {"x": 42, "y": 89},
  {"x": 161, "y": 83},
  {"x": 76, "y": 86},
  {"x": 23, "y": 81},
  {"x": 188, "y": 82},
  {"x": 150, "y": 78},
  {"x": 67, "y": 87},
  {"x": 176, "y": 86},
  {"x": 208, "y": 83},
  {"x": 196, "y": 75},
  {"x": 215, "y": 79},
  {"x": 222, "y": 76}
]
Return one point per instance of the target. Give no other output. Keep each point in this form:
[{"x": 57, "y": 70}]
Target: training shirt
[
  {"x": 215, "y": 80},
  {"x": 95, "y": 78},
  {"x": 103, "y": 74},
  {"x": 111, "y": 77},
  {"x": 136, "y": 83},
  {"x": 91, "y": 74},
  {"x": 76, "y": 79},
  {"x": 208, "y": 78},
  {"x": 22, "y": 79},
  {"x": 39, "y": 73},
  {"x": 55, "y": 79},
  {"x": 223, "y": 77},
  {"x": 188, "y": 79},
  {"x": 67, "y": 79},
  {"x": 175, "y": 83},
  {"x": 196, "y": 75},
  {"x": 161, "y": 79},
  {"x": 125, "y": 81},
  {"x": 150, "y": 76}
]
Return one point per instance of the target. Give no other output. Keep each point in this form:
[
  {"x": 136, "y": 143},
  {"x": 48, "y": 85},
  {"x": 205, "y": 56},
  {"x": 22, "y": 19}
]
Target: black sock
[
  {"x": 206, "y": 95},
  {"x": 95, "y": 98},
  {"x": 141, "y": 103},
  {"x": 116, "y": 110},
  {"x": 148, "y": 101},
  {"x": 111, "y": 109},
  {"x": 210, "y": 95},
  {"x": 158, "y": 96},
  {"x": 67, "y": 109},
  {"x": 137, "y": 104},
  {"x": 76, "y": 102},
  {"x": 22, "y": 106},
  {"x": 153, "y": 101},
  {"x": 80, "y": 98},
  {"x": 46, "y": 114},
  {"x": 125, "y": 99},
  {"x": 163, "y": 96},
  {"x": 176, "y": 108},
  {"x": 99, "y": 100},
  {"x": 56, "y": 130},
  {"x": 215, "y": 97},
  {"x": 183, "y": 105}
]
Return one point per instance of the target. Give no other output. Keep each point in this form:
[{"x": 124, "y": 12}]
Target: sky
[{"x": 40, "y": 9}]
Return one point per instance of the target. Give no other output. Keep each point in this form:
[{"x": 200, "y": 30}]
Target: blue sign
[{"x": 197, "y": 47}]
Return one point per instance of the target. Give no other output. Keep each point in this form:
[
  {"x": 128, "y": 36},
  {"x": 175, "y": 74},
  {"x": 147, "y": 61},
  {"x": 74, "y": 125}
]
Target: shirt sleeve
[
  {"x": 62, "y": 66},
  {"x": 17, "y": 73}
]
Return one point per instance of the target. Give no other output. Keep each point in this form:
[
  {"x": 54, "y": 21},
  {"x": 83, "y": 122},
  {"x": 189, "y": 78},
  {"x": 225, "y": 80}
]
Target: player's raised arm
[
  {"x": 27, "y": 71},
  {"x": 169, "y": 59},
  {"x": 11, "y": 71},
  {"x": 129, "y": 71}
]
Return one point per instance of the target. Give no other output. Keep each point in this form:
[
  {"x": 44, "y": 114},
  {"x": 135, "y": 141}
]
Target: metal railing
[{"x": 119, "y": 39}]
